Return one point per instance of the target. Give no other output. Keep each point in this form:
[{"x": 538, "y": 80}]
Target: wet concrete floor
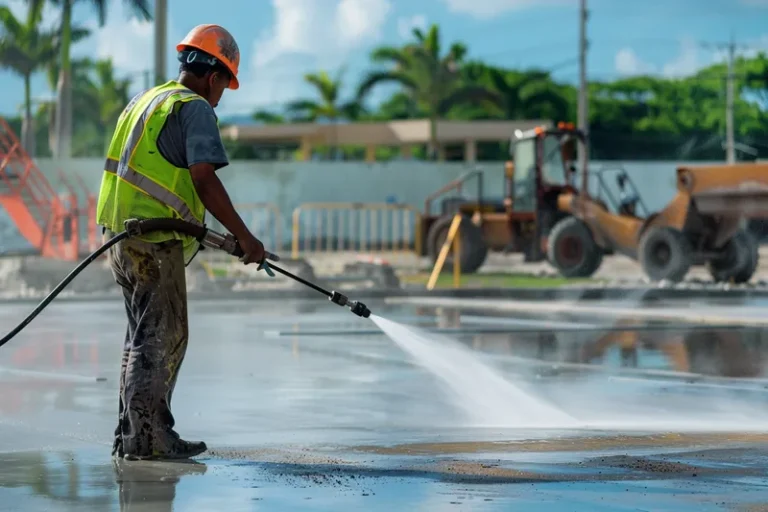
[{"x": 667, "y": 418}]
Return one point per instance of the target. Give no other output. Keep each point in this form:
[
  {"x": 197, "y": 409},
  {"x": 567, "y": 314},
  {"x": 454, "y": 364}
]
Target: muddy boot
[
  {"x": 180, "y": 449},
  {"x": 172, "y": 447}
]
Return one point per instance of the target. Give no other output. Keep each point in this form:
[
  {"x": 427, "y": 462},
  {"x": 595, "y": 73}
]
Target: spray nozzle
[{"x": 358, "y": 308}]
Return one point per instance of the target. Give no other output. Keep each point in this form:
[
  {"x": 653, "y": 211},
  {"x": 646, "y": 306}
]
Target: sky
[{"x": 281, "y": 40}]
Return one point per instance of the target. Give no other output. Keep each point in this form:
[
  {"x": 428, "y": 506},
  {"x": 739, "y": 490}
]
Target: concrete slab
[{"x": 353, "y": 423}]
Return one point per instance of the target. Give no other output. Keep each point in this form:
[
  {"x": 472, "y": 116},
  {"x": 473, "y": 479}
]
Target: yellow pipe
[
  {"x": 456, "y": 261},
  {"x": 295, "y": 233},
  {"x": 444, "y": 251}
]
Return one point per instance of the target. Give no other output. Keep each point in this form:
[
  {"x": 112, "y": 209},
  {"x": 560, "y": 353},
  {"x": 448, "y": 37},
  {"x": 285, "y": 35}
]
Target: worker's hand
[{"x": 253, "y": 249}]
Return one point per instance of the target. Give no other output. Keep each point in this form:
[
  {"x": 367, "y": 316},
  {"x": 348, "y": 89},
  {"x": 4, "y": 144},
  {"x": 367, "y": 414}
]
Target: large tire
[
  {"x": 473, "y": 250},
  {"x": 572, "y": 249},
  {"x": 740, "y": 261},
  {"x": 665, "y": 254}
]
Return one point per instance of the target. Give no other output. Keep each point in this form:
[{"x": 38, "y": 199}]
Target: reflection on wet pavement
[{"x": 338, "y": 422}]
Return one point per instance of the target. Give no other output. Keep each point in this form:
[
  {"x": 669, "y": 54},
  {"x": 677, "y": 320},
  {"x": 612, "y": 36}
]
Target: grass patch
[{"x": 495, "y": 280}]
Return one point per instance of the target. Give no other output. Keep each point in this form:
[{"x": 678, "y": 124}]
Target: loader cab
[{"x": 544, "y": 165}]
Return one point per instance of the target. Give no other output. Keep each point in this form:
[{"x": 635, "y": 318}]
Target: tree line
[
  {"x": 89, "y": 96},
  {"x": 634, "y": 118}
]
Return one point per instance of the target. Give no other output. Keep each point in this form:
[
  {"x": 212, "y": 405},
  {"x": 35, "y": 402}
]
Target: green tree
[
  {"x": 433, "y": 81},
  {"x": 328, "y": 107},
  {"x": 267, "y": 117},
  {"x": 530, "y": 95},
  {"x": 64, "y": 109},
  {"x": 25, "y": 48},
  {"x": 80, "y": 70},
  {"x": 110, "y": 93}
]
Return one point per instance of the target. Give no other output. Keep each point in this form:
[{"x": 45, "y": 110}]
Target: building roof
[{"x": 385, "y": 133}]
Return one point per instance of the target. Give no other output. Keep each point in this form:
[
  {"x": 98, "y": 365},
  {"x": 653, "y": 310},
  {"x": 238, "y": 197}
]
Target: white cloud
[
  {"x": 628, "y": 63},
  {"x": 485, "y": 9},
  {"x": 307, "y": 35},
  {"x": 306, "y": 27},
  {"x": 405, "y": 25},
  {"x": 689, "y": 59},
  {"x": 357, "y": 20},
  {"x": 687, "y": 62},
  {"x": 124, "y": 56}
]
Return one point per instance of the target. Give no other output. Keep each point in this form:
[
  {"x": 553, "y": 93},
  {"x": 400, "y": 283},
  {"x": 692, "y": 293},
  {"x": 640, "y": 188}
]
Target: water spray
[{"x": 208, "y": 238}]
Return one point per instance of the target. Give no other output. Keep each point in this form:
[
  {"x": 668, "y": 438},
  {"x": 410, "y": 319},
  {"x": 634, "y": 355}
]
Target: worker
[{"x": 162, "y": 162}]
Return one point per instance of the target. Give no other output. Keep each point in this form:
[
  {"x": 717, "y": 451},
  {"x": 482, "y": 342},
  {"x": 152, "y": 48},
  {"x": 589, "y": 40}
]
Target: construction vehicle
[
  {"x": 545, "y": 215},
  {"x": 541, "y": 170}
]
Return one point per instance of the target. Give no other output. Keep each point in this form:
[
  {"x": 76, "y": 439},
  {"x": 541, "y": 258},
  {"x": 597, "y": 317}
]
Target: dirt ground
[{"x": 614, "y": 268}]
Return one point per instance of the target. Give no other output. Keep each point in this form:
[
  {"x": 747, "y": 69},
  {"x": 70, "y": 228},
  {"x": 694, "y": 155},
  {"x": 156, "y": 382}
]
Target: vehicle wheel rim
[
  {"x": 570, "y": 251},
  {"x": 662, "y": 254}
]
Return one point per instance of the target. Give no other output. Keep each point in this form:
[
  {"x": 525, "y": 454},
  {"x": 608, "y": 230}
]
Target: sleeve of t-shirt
[{"x": 201, "y": 135}]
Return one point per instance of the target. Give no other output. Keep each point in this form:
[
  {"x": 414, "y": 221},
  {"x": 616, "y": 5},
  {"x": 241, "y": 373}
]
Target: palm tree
[
  {"x": 328, "y": 108},
  {"x": 530, "y": 95},
  {"x": 25, "y": 48},
  {"x": 110, "y": 94},
  {"x": 64, "y": 87},
  {"x": 267, "y": 117},
  {"x": 433, "y": 81},
  {"x": 80, "y": 69}
]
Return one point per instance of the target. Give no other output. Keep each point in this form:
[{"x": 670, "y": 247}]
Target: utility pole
[
  {"x": 583, "y": 113},
  {"x": 730, "y": 94},
  {"x": 161, "y": 27},
  {"x": 730, "y": 143}
]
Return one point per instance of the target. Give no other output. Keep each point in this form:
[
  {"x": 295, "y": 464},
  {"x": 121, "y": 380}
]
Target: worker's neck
[{"x": 191, "y": 83}]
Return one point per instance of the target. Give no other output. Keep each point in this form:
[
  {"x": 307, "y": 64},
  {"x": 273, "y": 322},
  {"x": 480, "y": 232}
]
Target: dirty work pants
[{"x": 153, "y": 282}]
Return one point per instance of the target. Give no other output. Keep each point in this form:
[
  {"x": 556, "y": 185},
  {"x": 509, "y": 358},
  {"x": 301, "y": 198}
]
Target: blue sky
[{"x": 280, "y": 40}]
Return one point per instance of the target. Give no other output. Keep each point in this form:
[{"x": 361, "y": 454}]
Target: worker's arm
[
  {"x": 216, "y": 199},
  {"x": 205, "y": 154}
]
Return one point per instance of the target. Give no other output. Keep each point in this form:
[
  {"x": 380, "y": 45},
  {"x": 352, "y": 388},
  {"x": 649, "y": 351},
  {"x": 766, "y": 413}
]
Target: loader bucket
[{"x": 728, "y": 190}]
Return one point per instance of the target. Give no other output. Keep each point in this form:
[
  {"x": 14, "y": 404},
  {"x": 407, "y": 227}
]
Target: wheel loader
[
  {"x": 540, "y": 171},
  {"x": 543, "y": 214}
]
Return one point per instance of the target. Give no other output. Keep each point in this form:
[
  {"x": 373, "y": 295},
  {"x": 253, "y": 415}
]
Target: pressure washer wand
[{"x": 229, "y": 244}]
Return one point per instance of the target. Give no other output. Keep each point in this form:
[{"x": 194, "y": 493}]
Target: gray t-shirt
[{"x": 191, "y": 136}]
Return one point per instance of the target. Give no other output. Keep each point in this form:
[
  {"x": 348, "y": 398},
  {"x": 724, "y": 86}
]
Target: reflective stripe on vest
[{"x": 138, "y": 180}]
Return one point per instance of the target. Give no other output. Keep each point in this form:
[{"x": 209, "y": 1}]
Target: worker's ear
[{"x": 220, "y": 79}]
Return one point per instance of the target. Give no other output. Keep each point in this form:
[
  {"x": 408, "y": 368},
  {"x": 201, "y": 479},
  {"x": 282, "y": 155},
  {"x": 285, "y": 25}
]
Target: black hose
[
  {"x": 63, "y": 284},
  {"x": 134, "y": 227}
]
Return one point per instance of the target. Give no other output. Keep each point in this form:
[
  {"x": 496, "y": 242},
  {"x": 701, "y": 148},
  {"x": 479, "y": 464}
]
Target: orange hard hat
[{"x": 217, "y": 42}]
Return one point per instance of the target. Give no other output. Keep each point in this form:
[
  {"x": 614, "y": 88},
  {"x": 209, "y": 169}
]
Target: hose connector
[
  {"x": 357, "y": 308},
  {"x": 221, "y": 242}
]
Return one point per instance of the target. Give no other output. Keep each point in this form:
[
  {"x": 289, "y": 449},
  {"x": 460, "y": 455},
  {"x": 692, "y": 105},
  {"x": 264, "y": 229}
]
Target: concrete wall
[{"x": 289, "y": 184}]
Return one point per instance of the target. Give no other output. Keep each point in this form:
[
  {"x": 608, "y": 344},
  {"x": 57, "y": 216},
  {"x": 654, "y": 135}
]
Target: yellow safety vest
[{"x": 138, "y": 182}]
